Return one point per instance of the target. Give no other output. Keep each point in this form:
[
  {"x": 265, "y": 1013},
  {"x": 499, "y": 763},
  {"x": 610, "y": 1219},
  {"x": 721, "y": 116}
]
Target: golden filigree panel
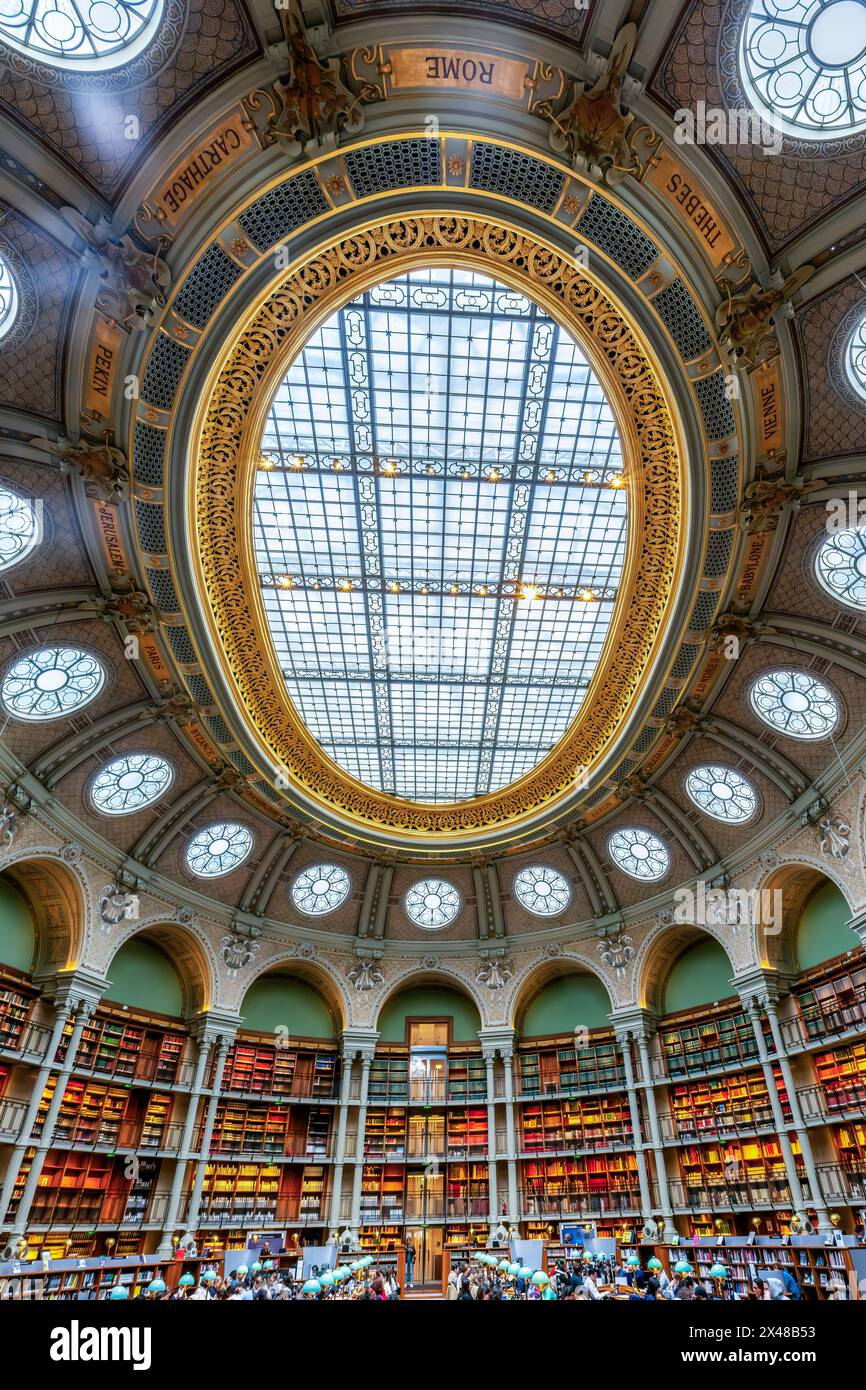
[{"x": 225, "y": 446}]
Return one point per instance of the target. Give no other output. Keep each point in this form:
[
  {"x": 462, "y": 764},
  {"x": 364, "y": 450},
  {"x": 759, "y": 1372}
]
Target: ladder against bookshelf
[{"x": 561, "y": 1067}]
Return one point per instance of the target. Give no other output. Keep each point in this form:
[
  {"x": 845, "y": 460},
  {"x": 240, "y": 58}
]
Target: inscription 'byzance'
[{"x": 225, "y": 452}]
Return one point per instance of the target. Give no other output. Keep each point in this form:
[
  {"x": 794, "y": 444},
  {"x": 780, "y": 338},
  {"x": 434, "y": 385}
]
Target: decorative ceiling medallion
[{"x": 225, "y": 453}]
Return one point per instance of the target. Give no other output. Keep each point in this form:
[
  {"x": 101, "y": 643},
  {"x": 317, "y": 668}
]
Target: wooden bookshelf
[
  {"x": 814, "y": 1265},
  {"x": 563, "y": 1068},
  {"x": 725, "y": 1103},
  {"x": 466, "y": 1132},
  {"x": 273, "y": 1131},
  {"x": 16, "y": 1005},
  {"x": 466, "y": 1189},
  {"x": 130, "y": 1049},
  {"x": 833, "y": 999},
  {"x": 75, "y": 1188},
  {"x": 591, "y": 1123},
  {"x": 260, "y": 1068},
  {"x": 389, "y": 1080},
  {"x": 240, "y": 1190},
  {"x": 382, "y": 1193},
  {"x": 841, "y": 1076},
  {"x": 707, "y": 1042},
  {"x": 467, "y": 1077},
  {"x": 385, "y": 1134},
  {"x": 574, "y": 1184},
  {"x": 746, "y": 1170}
]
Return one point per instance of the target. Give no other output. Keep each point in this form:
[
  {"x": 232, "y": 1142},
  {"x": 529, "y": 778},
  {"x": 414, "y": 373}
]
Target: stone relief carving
[
  {"x": 8, "y": 823},
  {"x": 494, "y": 971},
  {"x": 834, "y": 837},
  {"x": 616, "y": 948},
  {"x": 365, "y": 974},
  {"x": 117, "y": 904},
  {"x": 240, "y": 946},
  {"x": 101, "y": 467},
  {"x": 133, "y": 282},
  {"x": 593, "y": 128},
  {"x": 744, "y": 320}
]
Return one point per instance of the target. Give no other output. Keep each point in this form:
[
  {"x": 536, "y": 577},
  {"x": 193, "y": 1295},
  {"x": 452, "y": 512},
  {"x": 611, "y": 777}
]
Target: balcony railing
[
  {"x": 128, "y": 1135},
  {"x": 417, "y": 1208},
  {"x": 827, "y": 1020},
  {"x": 257, "y": 1213},
  {"x": 32, "y": 1039},
  {"x": 730, "y": 1196},
  {"x": 255, "y": 1146},
  {"x": 11, "y": 1116},
  {"x": 148, "y": 1067},
  {"x": 574, "y": 1140}
]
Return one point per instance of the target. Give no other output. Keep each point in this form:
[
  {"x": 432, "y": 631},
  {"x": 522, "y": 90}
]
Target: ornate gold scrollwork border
[{"x": 224, "y": 448}]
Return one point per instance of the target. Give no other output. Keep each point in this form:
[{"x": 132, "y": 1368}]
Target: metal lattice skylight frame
[
  {"x": 86, "y": 35},
  {"x": 439, "y": 533}
]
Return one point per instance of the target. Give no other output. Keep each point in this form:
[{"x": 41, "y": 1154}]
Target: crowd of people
[{"x": 262, "y": 1280}]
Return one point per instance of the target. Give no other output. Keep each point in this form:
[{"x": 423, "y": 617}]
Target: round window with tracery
[{"x": 81, "y": 35}]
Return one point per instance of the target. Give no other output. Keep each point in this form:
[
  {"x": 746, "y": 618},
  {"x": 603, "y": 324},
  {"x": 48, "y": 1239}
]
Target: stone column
[
  {"x": 222, "y": 1043},
  {"x": 623, "y": 1037},
  {"x": 489, "y": 1055},
  {"x": 63, "y": 1012},
  {"x": 507, "y": 1054},
  {"x": 185, "y": 1154},
  {"x": 84, "y": 1010},
  {"x": 751, "y": 1006},
  {"x": 348, "y": 1058},
  {"x": 367, "y": 1054},
  {"x": 642, "y": 1039},
  {"x": 825, "y": 1225}
]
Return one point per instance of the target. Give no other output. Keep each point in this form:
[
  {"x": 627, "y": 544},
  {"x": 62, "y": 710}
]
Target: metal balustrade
[
  {"x": 11, "y": 1116},
  {"x": 603, "y": 1202},
  {"x": 682, "y": 1129}
]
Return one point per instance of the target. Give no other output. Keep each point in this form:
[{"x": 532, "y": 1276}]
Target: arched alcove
[
  {"x": 822, "y": 932},
  {"x": 142, "y": 976},
  {"x": 429, "y": 1001},
  {"x": 17, "y": 929},
  {"x": 561, "y": 1004},
  {"x": 53, "y": 894},
  {"x": 700, "y": 975},
  {"x": 282, "y": 1001}
]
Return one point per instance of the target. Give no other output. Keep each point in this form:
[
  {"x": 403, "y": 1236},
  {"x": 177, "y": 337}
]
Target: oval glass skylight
[
  {"x": 803, "y": 65},
  {"x": 8, "y": 297},
  {"x": 218, "y": 849},
  {"x": 130, "y": 782},
  {"x": 19, "y": 526},
  {"x": 80, "y": 35},
  {"x": 541, "y": 890},
  {"x": 439, "y": 531},
  {"x": 855, "y": 358},
  {"x": 432, "y": 903},
  {"x": 320, "y": 889},
  {"x": 840, "y": 565},
  {"x": 796, "y": 704},
  {"x": 51, "y": 682},
  {"x": 639, "y": 853},
  {"x": 722, "y": 793}
]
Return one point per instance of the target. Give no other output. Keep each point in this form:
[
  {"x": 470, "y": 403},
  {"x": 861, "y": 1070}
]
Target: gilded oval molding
[{"x": 224, "y": 447}]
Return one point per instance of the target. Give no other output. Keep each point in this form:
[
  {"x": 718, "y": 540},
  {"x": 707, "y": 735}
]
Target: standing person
[{"x": 410, "y": 1263}]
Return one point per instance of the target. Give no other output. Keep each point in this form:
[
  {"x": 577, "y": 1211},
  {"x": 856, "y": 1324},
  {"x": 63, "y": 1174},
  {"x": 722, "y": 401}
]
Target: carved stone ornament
[
  {"x": 428, "y": 963},
  {"x": 8, "y": 823},
  {"x": 494, "y": 972},
  {"x": 185, "y": 916},
  {"x": 134, "y": 609},
  {"x": 834, "y": 837},
  {"x": 615, "y": 947},
  {"x": 745, "y": 319},
  {"x": 240, "y": 947},
  {"x": 311, "y": 106},
  {"x": 365, "y": 975},
  {"x": 682, "y": 721},
  {"x": 769, "y": 494},
  {"x": 305, "y": 951},
  {"x": 553, "y": 951},
  {"x": 101, "y": 467},
  {"x": 117, "y": 904},
  {"x": 71, "y": 853},
  {"x": 593, "y": 127},
  {"x": 133, "y": 282}
]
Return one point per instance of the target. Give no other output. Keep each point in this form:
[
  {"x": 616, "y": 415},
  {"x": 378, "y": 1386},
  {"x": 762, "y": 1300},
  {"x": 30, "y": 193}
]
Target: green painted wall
[
  {"x": 823, "y": 931},
  {"x": 278, "y": 1001},
  {"x": 17, "y": 937},
  {"x": 575, "y": 1001},
  {"x": 701, "y": 976},
  {"x": 429, "y": 1002},
  {"x": 142, "y": 977}
]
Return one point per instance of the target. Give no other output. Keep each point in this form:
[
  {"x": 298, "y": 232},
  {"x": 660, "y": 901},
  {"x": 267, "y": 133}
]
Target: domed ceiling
[{"x": 431, "y": 448}]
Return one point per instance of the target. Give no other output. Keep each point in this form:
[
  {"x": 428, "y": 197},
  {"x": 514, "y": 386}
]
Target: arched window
[
  {"x": 81, "y": 35},
  {"x": 803, "y": 65}
]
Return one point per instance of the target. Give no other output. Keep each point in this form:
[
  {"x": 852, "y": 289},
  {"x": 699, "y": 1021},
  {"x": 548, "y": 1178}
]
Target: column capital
[
  {"x": 758, "y": 987},
  {"x": 498, "y": 1039},
  {"x": 358, "y": 1042},
  {"x": 636, "y": 1023},
  {"x": 214, "y": 1026},
  {"x": 74, "y": 990}
]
